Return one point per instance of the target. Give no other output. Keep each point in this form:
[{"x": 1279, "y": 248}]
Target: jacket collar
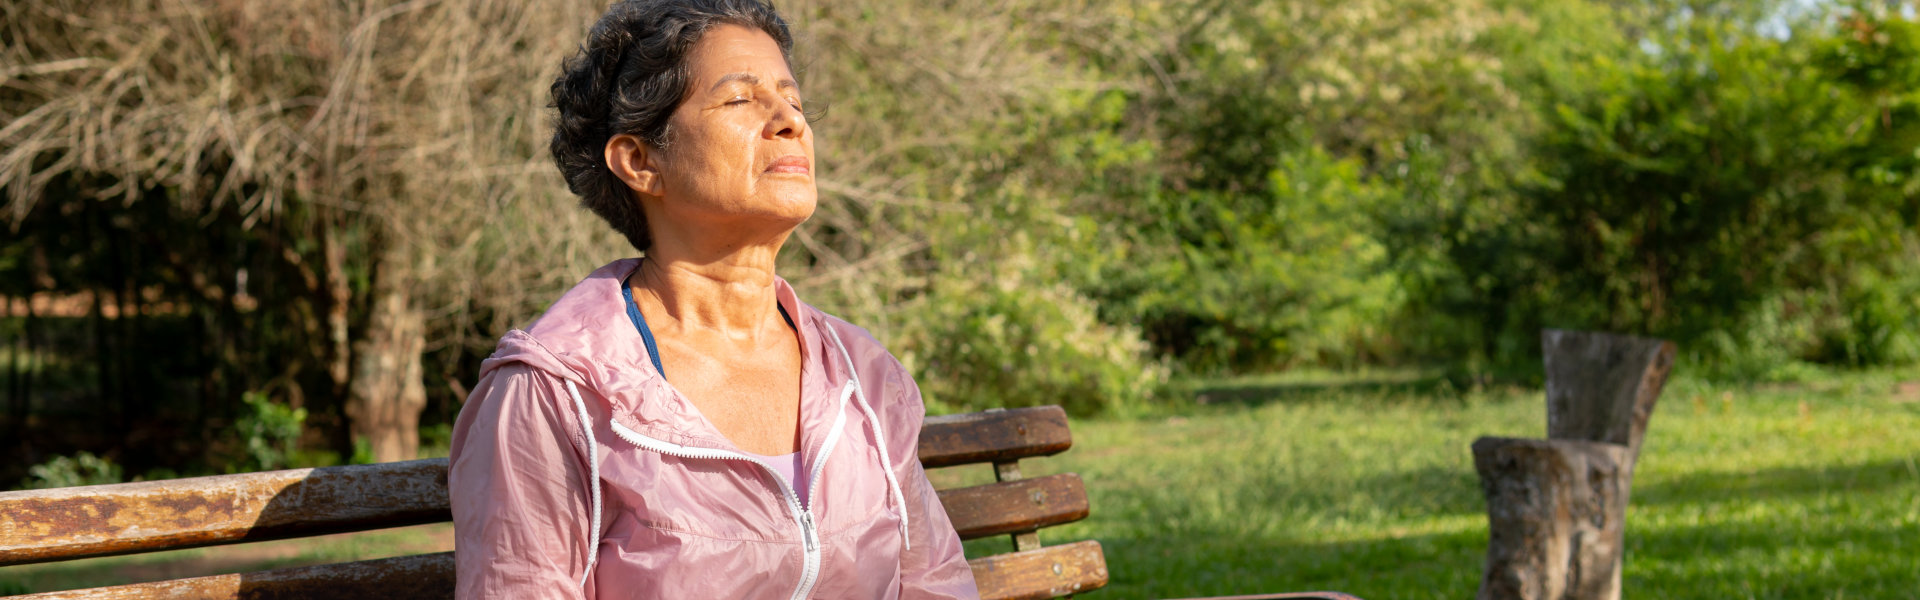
[{"x": 586, "y": 337}]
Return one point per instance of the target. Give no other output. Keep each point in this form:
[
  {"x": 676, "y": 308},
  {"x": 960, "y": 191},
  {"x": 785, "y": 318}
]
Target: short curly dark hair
[{"x": 629, "y": 77}]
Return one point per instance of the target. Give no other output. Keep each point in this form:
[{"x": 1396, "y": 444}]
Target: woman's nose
[{"x": 786, "y": 122}]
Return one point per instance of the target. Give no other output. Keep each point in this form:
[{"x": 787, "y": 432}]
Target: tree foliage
[{"x": 1028, "y": 201}]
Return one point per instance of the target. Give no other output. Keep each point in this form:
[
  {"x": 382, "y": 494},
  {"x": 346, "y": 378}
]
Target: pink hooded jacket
[{"x": 578, "y": 472}]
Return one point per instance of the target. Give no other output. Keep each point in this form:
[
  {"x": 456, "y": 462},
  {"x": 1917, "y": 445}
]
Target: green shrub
[
  {"x": 1294, "y": 274},
  {"x": 1863, "y": 319},
  {"x": 362, "y": 452},
  {"x": 435, "y": 440},
  {"x": 1882, "y": 321},
  {"x": 269, "y": 433},
  {"x": 68, "y": 471},
  {"x": 974, "y": 346},
  {"x": 1768, "y": 345}
]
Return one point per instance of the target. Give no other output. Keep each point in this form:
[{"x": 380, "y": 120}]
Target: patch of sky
[{"x": 1779, "y": 24}]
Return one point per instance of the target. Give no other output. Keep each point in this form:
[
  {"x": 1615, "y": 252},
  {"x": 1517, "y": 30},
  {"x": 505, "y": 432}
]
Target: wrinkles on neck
[{"x": 728, "y": 289}]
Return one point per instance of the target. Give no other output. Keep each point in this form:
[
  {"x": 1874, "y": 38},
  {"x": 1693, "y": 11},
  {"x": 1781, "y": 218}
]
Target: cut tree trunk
[
  {"x": 1557, "y": 507},
  {"x": 1557, "y": 511},
  {"x": 387, "y": 394},
  {"x": 1602, "y": 387}
]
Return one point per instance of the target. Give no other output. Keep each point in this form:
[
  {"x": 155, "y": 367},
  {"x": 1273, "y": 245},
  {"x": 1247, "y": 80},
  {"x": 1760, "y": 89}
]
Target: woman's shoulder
[
  {"x": 865, "y": 349},
  {"x": 583, "y": 311},
  {"x": 888, "y": 381}
]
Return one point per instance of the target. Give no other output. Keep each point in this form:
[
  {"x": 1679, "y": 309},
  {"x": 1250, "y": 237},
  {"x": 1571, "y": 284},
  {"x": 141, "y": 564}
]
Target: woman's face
[{"x": 739, "y": 157}]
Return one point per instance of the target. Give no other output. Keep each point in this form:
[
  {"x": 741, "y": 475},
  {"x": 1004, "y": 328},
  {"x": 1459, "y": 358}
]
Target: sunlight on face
[{"x": 740, "y": 153}]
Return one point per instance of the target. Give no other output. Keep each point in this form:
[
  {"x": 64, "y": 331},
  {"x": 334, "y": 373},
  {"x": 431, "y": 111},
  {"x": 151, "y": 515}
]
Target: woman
[{"x": 681, "y": 425}]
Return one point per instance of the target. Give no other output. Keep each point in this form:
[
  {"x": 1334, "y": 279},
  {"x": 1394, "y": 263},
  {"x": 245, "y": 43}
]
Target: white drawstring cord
[
  {"x": 860, "y": 398},
  {"x": 879, "y": 437},
  {"x": 593, "y": 470}
]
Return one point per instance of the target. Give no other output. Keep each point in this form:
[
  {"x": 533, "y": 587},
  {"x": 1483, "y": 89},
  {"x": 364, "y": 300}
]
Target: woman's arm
[
  {"x": 935, "y": 566},
  {"x": 518, "y": 482}
]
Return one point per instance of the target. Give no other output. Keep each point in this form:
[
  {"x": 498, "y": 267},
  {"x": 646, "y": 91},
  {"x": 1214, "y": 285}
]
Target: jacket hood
[{"x": 583, "y": 337}]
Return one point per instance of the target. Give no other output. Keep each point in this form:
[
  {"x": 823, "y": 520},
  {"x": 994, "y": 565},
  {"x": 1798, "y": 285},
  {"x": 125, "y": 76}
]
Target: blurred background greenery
[
  {"x": 1233, "y": 237},
  {"x": 248, "y": 235},
  {"x": 337, "y": 207}
]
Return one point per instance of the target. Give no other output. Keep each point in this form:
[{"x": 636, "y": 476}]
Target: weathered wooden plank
[
  {"x": 996, "y": 435},
  {"x": 60, "y": 524},
  {"x": 1602, "y": 387},
  {"x": 419, "y": 577},
  {"x": 65, "y": 523},
  {"x": 1045, "y": 573},
  {"x": 1023, "y": 505},
  {"x": 1049, "y": 572}
]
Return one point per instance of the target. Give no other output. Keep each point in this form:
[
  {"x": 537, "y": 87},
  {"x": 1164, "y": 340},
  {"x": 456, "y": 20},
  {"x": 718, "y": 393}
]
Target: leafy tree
[{"x": 1687, "y": 186}]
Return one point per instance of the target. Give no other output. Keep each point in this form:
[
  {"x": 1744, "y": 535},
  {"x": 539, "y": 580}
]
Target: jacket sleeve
[
  {"x": 517, "y": 479},
  {"x": 936, "y": 564}
]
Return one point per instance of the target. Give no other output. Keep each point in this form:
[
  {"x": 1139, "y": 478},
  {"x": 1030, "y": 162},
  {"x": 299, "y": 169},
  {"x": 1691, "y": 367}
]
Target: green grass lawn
[
  {"x": 1366, "y": 485},
  {"x": 1280, "y": 485}
]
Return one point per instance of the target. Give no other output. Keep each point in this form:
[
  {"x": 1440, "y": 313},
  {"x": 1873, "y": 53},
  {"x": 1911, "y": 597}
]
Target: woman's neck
[{"x": 730, "y": 291}]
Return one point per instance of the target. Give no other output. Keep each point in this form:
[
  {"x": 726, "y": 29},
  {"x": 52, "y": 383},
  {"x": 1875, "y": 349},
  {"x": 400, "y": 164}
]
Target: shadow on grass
[
  {"x": 1773, "y": 559},
  {"x": 1444, "y": 490},
  {"x": 1168, "y": 550},
  {"x": 1781, "y": 483},
  {"x": 1710, "y": 561},
  {"x": 1441, "y": 491},
  {"x": 1227, "y": 563}
]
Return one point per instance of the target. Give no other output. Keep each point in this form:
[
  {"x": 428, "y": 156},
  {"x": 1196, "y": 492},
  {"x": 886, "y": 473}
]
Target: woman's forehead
[{"x": 731, "y": 53}]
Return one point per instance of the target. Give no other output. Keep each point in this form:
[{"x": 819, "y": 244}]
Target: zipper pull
[{"x": 807, "y": 531}]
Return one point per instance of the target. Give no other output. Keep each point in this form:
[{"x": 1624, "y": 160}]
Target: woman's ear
[{"x": 635, "y": 163}]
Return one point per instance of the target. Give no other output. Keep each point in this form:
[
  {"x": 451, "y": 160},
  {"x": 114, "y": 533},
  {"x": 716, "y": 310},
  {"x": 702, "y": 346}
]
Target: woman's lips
[{"x": 793, "y": 163}]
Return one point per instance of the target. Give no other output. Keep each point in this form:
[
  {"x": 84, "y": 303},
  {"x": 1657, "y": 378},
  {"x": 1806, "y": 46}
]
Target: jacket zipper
[
  {"x": 809, "y": 532},
  {"x": 811, "y": 573}
]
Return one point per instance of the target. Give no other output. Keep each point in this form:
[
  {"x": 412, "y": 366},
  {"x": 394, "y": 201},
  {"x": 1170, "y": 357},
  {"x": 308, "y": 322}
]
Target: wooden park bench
[{"x": 81, "y": 522}]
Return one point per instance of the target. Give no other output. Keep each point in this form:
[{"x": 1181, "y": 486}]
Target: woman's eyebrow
[
  {"x": 750, "y": 79},
  {"x": 732, "y": 77}
]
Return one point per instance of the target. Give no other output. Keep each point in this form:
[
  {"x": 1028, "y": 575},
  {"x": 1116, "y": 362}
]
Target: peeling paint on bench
[{"x": 78, "y": 522}]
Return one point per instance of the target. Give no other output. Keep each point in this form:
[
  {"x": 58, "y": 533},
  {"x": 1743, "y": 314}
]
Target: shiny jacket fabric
[{"x": 571, "y": 409}]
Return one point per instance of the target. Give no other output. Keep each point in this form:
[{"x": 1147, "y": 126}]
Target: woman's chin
[
  {"x": 795, "y": 204},
  {"x": 768, "y": 220}
]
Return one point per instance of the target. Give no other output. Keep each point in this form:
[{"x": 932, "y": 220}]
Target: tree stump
[
  {"x": 1602, "y": 387},
  {"x": 1557, "y": 508}
]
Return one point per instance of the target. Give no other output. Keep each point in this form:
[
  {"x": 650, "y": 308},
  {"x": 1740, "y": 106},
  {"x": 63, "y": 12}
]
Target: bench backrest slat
[
  {"x": 994, "y": 436},
  {"x": 1049, "y": 572},
  {"x": 102, "y": 520},
  {"x": 1013, "y": 506},
  {"x": 418, "y": 577}
]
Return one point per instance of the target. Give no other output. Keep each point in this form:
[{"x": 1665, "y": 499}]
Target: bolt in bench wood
[{"x": 81, "y": 522}]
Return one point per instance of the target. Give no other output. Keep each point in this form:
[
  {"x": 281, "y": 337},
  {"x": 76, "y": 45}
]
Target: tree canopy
[{"x": 342, "y": 205}]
